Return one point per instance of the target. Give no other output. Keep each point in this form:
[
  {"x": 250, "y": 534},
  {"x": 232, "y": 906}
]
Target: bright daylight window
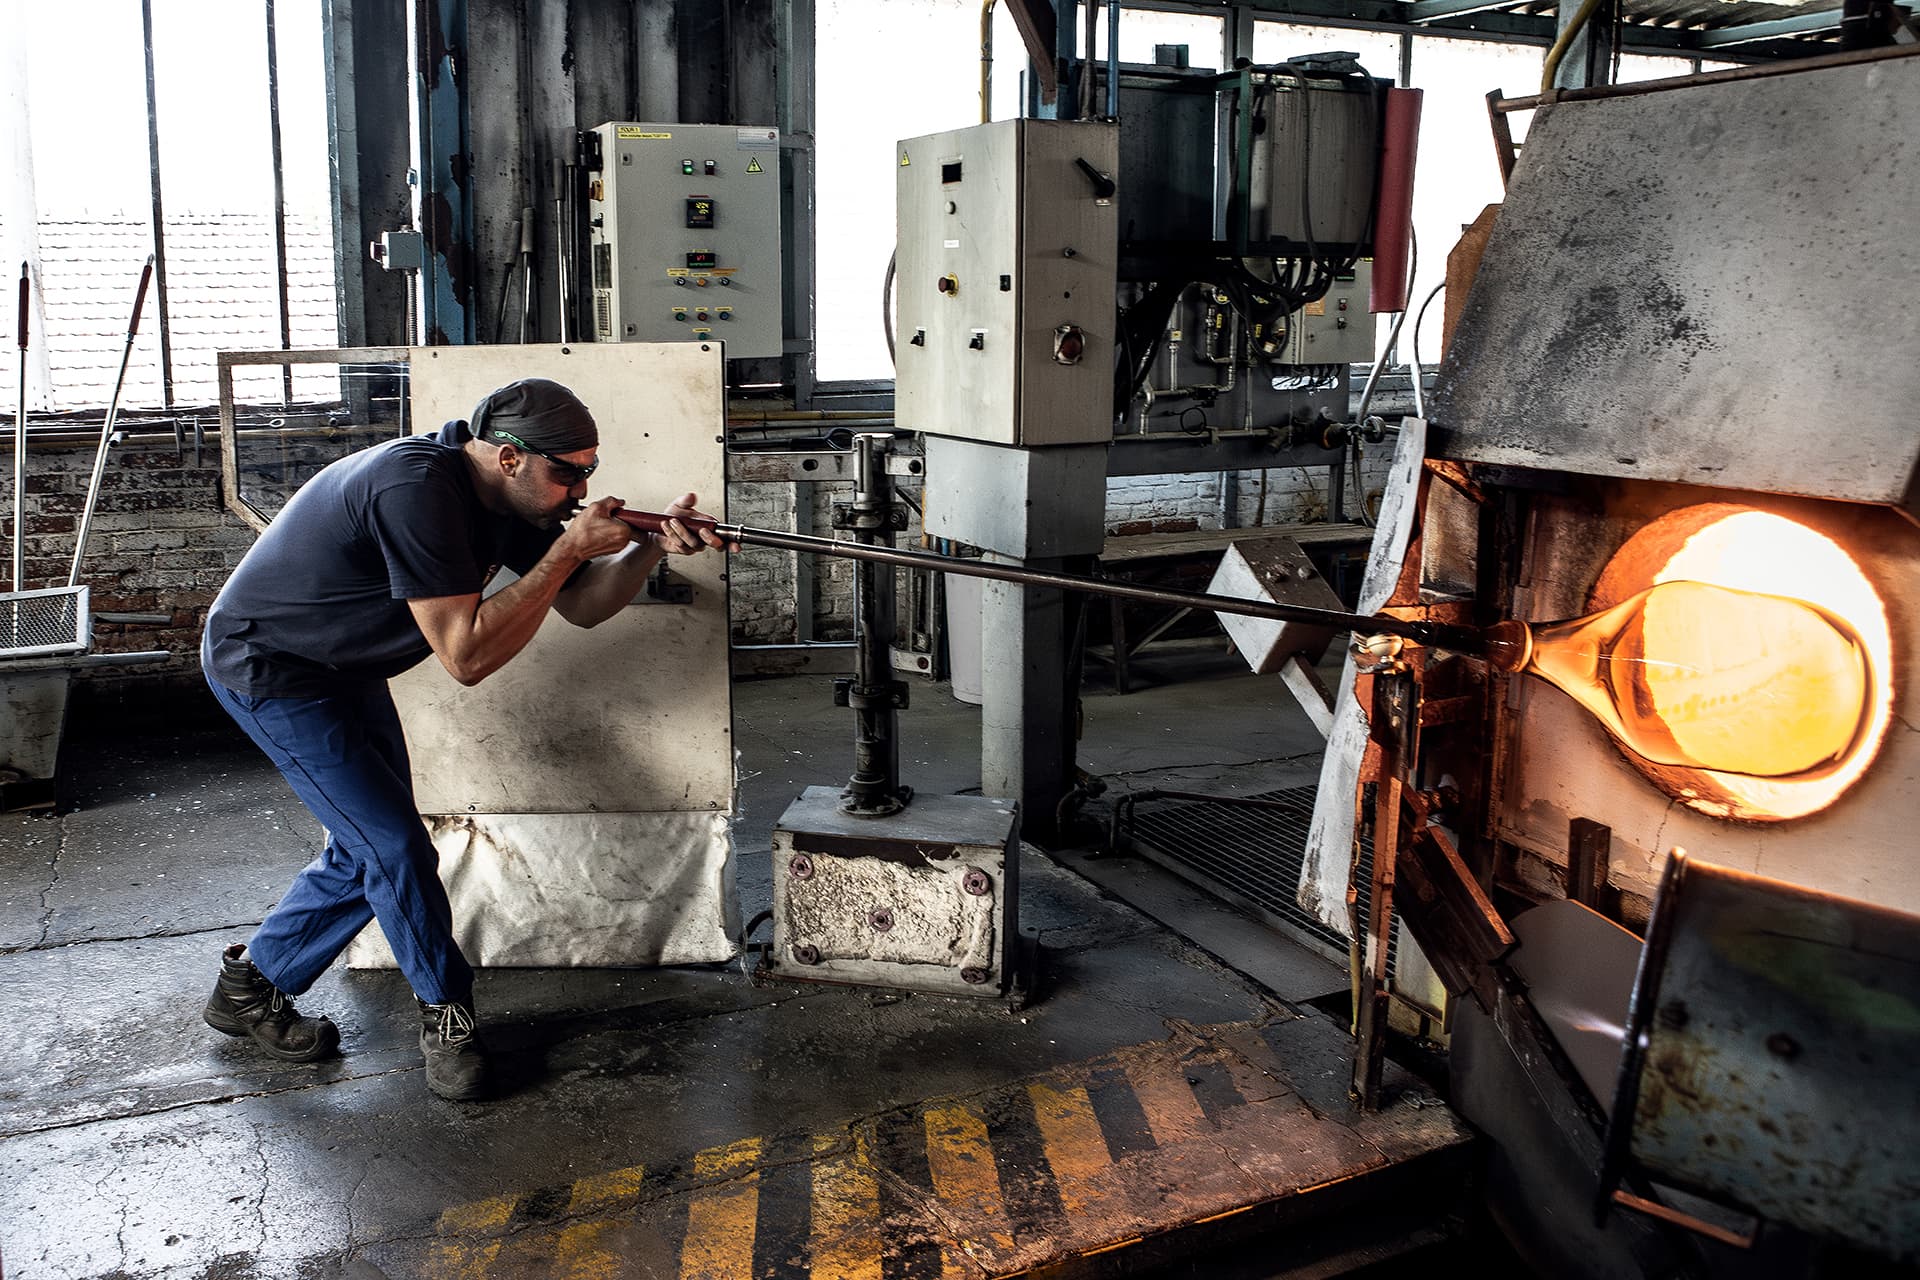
[{"x": 81, "y": 204}]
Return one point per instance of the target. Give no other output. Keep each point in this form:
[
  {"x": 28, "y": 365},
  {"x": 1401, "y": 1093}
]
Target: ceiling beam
[
  {"x": 1429, "y": 10},
  {"x": 1037, "y": 24},
  {"x": 1799, "y": 24},
  {"x": 1485, "y": 22}
]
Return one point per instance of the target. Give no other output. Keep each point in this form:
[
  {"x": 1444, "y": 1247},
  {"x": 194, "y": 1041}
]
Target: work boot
[
  {"x": 450, "y": 1042},
  {"x": 244, "y": 1003}
]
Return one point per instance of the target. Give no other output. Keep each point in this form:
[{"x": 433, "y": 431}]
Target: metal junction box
[
  {"x": 924, "y": 899},
  {"x": 685, "y": 222},
  {"x": 1337, "y": 329},
  {"x": 1005, "y": 326}
]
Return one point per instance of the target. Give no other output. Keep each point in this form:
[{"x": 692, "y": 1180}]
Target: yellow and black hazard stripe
[{"x": 1076, "y": 1162}]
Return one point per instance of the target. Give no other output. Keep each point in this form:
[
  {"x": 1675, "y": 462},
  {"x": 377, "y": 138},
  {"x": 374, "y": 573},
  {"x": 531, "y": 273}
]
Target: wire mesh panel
[
  {"x": 39, "y": 624},
  {"x": 1248, "y": 853}
]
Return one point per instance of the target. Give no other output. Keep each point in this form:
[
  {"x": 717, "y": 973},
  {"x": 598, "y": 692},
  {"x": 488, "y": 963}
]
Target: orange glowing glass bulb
[{"x": 1706, "y": 677}]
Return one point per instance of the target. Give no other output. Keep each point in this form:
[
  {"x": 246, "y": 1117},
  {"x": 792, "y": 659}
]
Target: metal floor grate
[{"x": 1248, "y": 854}]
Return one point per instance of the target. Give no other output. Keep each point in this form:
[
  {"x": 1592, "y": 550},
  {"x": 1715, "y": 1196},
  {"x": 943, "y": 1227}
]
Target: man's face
[{"x": 545, "y": 490}]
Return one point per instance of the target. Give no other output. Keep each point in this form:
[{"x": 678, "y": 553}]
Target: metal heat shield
[
  {"x": 1773, "y": 1056},
  {"x": 1710, "y": 303},
  {"x": 925, "y": 899}
]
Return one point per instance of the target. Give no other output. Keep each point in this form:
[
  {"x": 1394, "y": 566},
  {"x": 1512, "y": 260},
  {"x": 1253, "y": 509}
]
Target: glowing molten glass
[
  {"x": 1803, "y": 716},
  {"x": 1706, "y": 677}
]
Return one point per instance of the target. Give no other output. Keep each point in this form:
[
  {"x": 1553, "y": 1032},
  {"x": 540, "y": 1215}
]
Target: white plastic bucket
[{"x": 963, "y": 636}]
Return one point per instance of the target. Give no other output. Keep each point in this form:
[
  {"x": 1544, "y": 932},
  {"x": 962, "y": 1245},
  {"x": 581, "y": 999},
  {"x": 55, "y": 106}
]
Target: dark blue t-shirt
[{"x": 320, "y": 601}]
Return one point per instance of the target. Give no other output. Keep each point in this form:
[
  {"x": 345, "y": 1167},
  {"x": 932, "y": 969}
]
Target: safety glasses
[{"x": 566, "y": 473}]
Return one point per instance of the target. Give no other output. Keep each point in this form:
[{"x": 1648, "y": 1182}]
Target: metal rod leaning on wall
[
  {"x": 1438, "y": 634},
  {"x": 107, "y": 426},
  {"x": 20, "y": 440}
]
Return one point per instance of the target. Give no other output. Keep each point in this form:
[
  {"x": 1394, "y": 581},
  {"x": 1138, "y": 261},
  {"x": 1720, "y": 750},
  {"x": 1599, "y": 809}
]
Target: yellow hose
[{"x": 1558, "y": 53}]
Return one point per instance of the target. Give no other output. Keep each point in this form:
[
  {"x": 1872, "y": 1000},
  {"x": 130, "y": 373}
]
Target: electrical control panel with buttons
[
  {"x": 1338, "y": 329},
  {"x": 1007, "y": 243},
  {"x": 685, "y": 223}
]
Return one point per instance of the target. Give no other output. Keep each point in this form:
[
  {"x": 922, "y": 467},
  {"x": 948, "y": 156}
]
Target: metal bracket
[
  {"x": 847, "y": 516},
  {"x": 662, "y": 586},
  {"x": 892, "y": 694}
]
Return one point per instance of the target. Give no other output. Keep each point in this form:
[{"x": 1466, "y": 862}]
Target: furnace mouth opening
[{"x": 1749, "y": 550}]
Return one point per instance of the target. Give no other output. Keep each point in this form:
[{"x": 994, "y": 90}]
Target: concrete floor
[{"x": 682, "y": 1122}]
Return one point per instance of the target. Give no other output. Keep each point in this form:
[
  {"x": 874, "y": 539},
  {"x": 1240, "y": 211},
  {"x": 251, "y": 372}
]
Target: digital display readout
[
  {"x": 702, "y": 259},
  {"x": 700, "y": 212}
]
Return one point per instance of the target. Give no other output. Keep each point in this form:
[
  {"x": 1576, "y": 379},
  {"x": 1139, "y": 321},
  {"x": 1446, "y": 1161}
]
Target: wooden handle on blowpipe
[{"x": 656, "y": 522}]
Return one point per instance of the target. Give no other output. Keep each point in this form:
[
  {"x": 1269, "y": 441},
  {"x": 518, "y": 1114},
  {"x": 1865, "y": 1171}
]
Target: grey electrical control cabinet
[
  {"x": 1338, "y": 329},
  {"x": 1004, "y": 325},
  {"x": 685, "y": 224}
]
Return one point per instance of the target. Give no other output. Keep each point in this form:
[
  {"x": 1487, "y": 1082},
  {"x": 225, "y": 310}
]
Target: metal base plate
[{"x": 925, "y": 899}]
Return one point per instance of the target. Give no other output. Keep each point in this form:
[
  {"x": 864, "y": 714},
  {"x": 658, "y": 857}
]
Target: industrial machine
[
  {"x": 684, "y": 233},
  {"x": 1710, "y": 618},
  {"x": 1006, "y": 266}
]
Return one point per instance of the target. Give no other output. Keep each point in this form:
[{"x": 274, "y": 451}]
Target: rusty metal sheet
[
  {"x": 1780, "y": 1067},
  {"x": 1708, "y": 284}
]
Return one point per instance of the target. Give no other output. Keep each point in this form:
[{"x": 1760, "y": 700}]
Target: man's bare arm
[
  {"x": 608, "y": 585},
  {"x": 475, "y": 637}
]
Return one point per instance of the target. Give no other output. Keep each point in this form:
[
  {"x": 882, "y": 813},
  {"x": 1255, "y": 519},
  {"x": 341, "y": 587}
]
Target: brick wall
[
  {"x": 1294, "y": 495},
  {"x": 163, "y": 543},
  {"x": 160, "y": 544},
  {"x": 762, "y": 580}
]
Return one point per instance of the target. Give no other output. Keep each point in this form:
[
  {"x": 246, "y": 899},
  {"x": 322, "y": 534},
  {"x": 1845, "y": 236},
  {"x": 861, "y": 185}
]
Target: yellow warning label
[
  {"x": 1315, "y": 308},
  {"x": 904, "y": 162},
  {"x": 753, "y": 165},
  {"x": 635, "y": 131}
]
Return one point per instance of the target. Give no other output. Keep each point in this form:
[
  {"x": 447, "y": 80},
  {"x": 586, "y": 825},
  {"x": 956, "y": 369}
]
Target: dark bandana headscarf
[{"x": 541, "y": 412}]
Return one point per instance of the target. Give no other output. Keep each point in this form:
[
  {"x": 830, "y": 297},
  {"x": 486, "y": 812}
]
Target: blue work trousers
[{"x": 346, "y": 758}]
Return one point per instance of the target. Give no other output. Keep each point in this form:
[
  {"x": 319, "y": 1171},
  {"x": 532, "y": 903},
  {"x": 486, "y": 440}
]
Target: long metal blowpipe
[
  {"x": 106, "y": 428},
  {"x": 1439, "y": 635},
  {"x": 20, "y": 447}
]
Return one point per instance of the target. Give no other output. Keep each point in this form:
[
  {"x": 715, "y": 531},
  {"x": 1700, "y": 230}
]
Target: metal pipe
[
  {"x": 20, "y": 445},
  {"x": 1438, "y": 634},
  {"x": 106, "y": 427},
  {"x": 986, "y": 61},
  {"x": 874, "y": 788},
  {"x": 558, "y": 169},
  {"x": 526, "y": 274},
  {"x": 279, "y": 206},
  {"x": 78, "y": 660},
  {"x": 1113, "y": 59},
  {"x": 159, "y": 216}
]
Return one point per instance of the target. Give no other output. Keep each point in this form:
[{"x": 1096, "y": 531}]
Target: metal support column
[
  {"x": 875, "y": 696},
  {"x": 1027, "y": 710},
  {"x": 443, "y": 191}
]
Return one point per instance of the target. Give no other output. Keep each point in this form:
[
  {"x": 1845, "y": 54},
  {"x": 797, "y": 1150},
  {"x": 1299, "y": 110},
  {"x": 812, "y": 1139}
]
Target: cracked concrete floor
[{"x": 136, "y": 1142}]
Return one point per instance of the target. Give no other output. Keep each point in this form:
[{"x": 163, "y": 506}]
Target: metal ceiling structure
[{"x": 1721, "y": 30}]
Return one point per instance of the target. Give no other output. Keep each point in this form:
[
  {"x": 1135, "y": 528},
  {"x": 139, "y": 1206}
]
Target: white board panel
[
  {"x": 569, "y": 890},
  {"x": 633, "y": 715},
  {"x": 581, "y": 797}
]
